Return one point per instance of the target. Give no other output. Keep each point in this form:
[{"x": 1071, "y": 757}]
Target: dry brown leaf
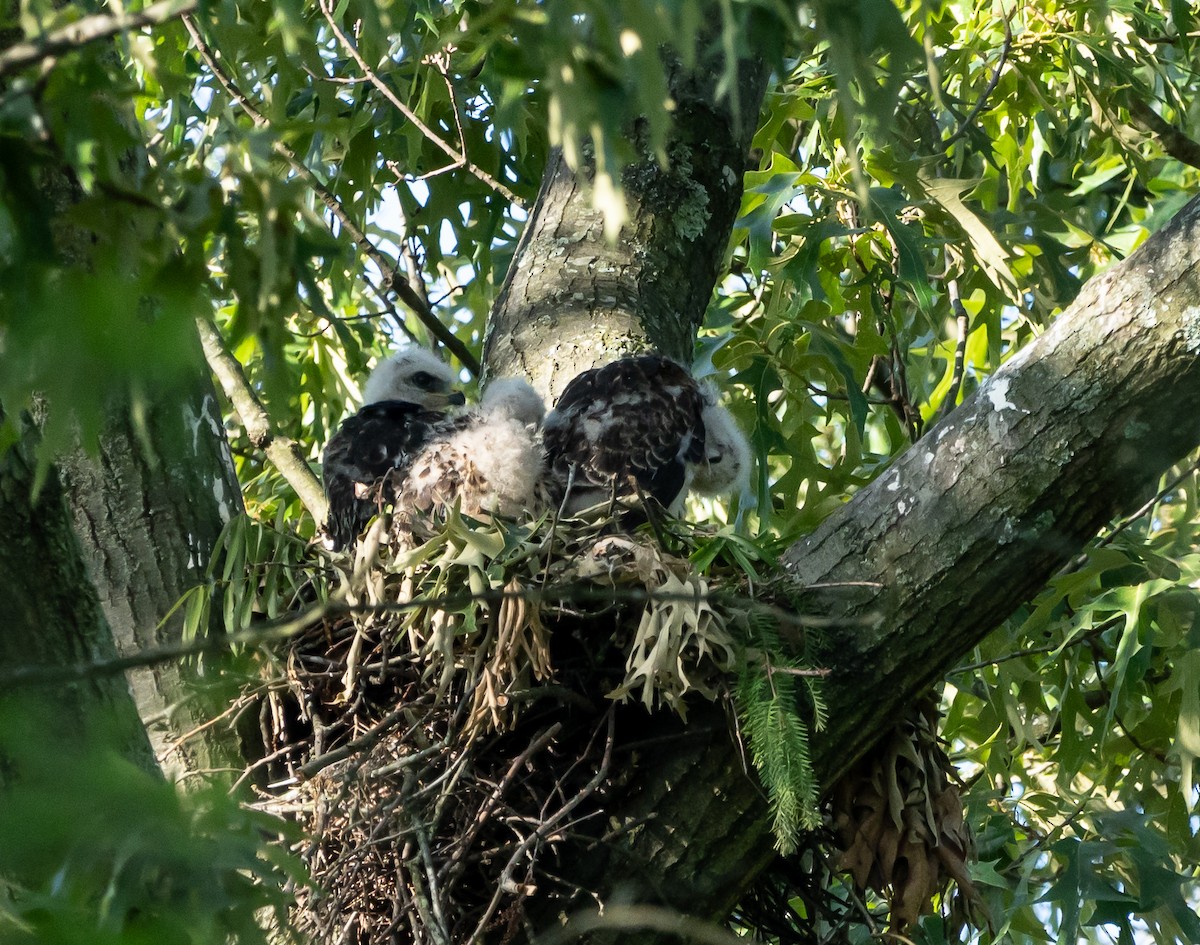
[{"x": 898, "y": 819}]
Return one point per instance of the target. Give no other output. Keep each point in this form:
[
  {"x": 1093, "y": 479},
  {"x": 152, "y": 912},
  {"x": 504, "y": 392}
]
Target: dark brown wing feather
[
  {"x": 381, "y": 437},
  {"x": 633, "y": 420}
]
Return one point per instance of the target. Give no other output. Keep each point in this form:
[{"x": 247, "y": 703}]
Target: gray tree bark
[
  {"x": 53, "y": 616},
  {"x": 987, "y": 506},
  {"x": 572, "y": 299},
  {"x": 148, "y": 509}
]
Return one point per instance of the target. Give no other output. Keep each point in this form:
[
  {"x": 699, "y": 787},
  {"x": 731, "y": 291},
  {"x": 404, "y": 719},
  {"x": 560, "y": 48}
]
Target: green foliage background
[{"x": 907, "y": 154}]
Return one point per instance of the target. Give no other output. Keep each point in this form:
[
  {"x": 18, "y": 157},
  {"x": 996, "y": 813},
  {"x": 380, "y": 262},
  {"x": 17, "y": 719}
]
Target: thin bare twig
[
  {"x": 1080, "y": 560},
  {"x": 898, "y": 375},
  {"x": 366, "y": 740},
  {"x": 1166, "y": 490},
  {"x": 1098, "y": 661},
  {"x": 543, "y": 829},
  {"x": 960, "y": 349},
  {"x": 460, "y": 159},
  {"x": 284, "y": 453},
  {"x": 411, "y": 264},
  {"x": 441, "y": 61},
  {"x": 87, "y": 30},
  {"x": 398, "y": 320},
  {"x": 890, "y": 375},
  {"x": 393, "y": 278},
  {"x": 965, "y": 125},
  {"x": 1083, "y": 637},
  {"x": 794, "y": 671},
  {"x": 331, "y": 320},
  {"x": 31, "y": 675},
  {"x": 438, "y": 928},
  {"x": 454, "y": 866}
]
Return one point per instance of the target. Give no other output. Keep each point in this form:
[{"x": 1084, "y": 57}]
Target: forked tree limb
[{"x": 964, "y": 527}]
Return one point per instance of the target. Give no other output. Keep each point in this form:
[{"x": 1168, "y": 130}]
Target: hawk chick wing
[{"x": 355, "y": 467}]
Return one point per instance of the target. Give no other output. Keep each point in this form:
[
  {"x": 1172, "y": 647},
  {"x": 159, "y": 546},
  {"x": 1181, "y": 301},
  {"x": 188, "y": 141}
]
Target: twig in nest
[
  {"x": 455, "y": 865},
  {"x": 544, "y": 829}
]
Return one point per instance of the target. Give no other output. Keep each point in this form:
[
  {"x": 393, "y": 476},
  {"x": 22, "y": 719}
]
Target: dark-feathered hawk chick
[
  {"x": 405, "y": 399},
  {"x": 487, "y": 460},
  {"x": 639, "y": 423}
]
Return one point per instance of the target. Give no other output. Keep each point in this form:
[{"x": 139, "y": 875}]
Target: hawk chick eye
[{"x": 424, "y": 380}]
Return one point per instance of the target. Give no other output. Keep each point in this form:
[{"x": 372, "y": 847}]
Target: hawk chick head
[
  {"x": 414, "y": 376},
  {"x": 725, "y": 469},
  {"x": 513, "y": 397}
]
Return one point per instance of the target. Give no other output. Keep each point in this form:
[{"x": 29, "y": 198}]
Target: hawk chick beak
[{"x": 454, "y": 398}]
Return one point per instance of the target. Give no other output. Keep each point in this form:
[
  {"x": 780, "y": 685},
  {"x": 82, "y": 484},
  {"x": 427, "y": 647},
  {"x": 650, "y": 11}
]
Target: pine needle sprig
[{"x": 776, "y": 733}]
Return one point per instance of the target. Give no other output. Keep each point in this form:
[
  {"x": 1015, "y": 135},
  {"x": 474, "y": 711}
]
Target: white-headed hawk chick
[
  {"x": 405, "y": 399},
  {"x": 641, "y": 423}
]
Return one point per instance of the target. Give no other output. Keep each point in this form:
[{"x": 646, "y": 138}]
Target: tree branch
[
  {"x": 996, "y": 498},
  {"x": 284, "y": 453},
  {"x": 1171, "y": 139},
  {"x": 966, "y": 124},
  {"x": 87, "y": 30}
]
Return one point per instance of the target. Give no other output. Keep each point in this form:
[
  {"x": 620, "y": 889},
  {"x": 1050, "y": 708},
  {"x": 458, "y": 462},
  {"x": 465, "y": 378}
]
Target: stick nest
[{"x": 441, "y": 736}]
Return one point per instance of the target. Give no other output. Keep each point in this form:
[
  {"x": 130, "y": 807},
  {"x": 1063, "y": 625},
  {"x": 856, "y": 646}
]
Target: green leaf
[
  {"x": 1187, "y": 735},
  {"x": 886, "y": 205}
]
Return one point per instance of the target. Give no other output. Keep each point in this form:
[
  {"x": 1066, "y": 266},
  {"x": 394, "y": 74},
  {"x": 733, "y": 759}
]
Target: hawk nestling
[
  {"x": 487, "y": 460},
  {"x": 405, "y": 399},
  {"x": 641, "y": 424}
]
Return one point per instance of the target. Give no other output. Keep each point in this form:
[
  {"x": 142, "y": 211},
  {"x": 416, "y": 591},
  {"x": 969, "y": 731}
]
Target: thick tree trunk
[
  {"x": 573, "y": 299},
  {"x": 696, "y": 822},
  {"x": 148, "y": 509},
  {"x": 921, "y": 565},
  {"x": 52, "y": 614}
]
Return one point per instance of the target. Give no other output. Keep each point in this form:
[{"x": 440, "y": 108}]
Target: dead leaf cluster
[
  {"x": 682, "y": 642},
  {"x": 898, "y": 819}
]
